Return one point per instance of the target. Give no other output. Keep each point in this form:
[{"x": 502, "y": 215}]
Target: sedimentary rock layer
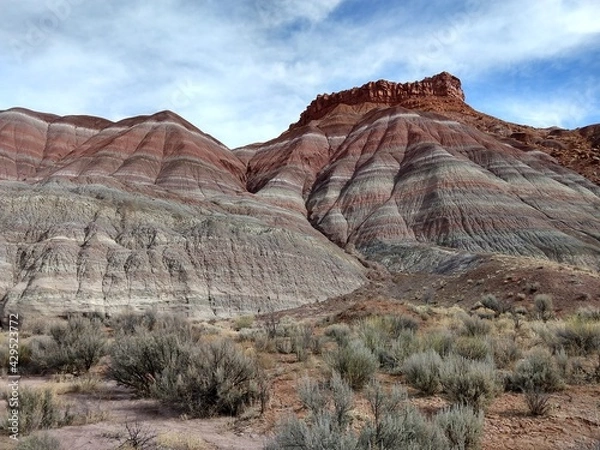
[{"x": 98, "y": 216}]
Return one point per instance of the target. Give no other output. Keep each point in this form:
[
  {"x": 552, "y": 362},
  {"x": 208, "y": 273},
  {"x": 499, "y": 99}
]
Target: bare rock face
[
  {"x": 146, "y": 212},
  {"x": 399, "y": 178},
  {"x": 31, "y": 141},
  {"x": 403, "y": 176},
  {"x": 386, "y": 93},
  {"x": 151, "y": 211}
]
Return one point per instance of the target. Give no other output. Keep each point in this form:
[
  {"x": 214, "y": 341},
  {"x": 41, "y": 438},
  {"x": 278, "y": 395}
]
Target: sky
[{"x": 244, "y": 70}]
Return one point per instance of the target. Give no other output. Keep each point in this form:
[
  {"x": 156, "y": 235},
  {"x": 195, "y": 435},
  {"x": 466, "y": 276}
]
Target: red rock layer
[
  {"x": 31, "y": 141},
  {"x": 161, "y": 150},
  {"x": 384, "y": 92}
]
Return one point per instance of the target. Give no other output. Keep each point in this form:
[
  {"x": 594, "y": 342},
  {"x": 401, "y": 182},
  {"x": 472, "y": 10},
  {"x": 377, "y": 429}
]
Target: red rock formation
[
  {"x": 384, "y": 92},
  {"x": 31, "y": 141},
  {"x": 96, "y": 215},
  {"x": 162, "y": 150},
  {"x": 397, "y": 176}
]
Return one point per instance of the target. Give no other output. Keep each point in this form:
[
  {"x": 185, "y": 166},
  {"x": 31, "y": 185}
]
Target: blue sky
[{"x": 243, "y": 70}]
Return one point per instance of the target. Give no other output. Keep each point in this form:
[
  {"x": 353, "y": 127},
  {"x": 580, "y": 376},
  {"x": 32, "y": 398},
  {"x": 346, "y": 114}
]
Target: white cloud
[
  {"x": 276, "y": 13},
  {"x": 243, "y": 70}
]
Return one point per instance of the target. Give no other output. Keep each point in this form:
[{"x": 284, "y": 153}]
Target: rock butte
[{"x": 151, "y": 211}]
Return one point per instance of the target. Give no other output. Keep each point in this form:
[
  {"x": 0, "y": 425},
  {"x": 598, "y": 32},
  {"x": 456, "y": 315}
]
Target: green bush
[
  {"x": 39, "y": 409},
  {"x": 42, "y": 441},
  {"x": 440, "y": 341},
  {"x": 579, "y": 337},
  {"x": 462, "y": 426},
  {"x": 355, "y": 363},
  {"x": 543, "y": 307},
  {"x": 468, "y": 382},
  {"x": 491, "y": 302},
  {"x": 130, "y": 321},
  {"x": 339, "y": 332},
  {"x": 138, "y": 360},
  {"x": 212, "y": 378},
  {"x": 536, "y": 372},
  {"x": 407, "y": 343},
  {"x": 381, "y": 335},
  {"x": 73, "y": 347},
  {"x": 243, "y": 322},
  {"x": 422, "y": 371},
  {"x": 472, "y": 347},
  {"x": 393, "y": 423},
  {"x": 304, "y": 342},
  {"x": 588, "y": 314},
  {"x": 505, "y": 351},
  {"x": 474, "y": 326}
]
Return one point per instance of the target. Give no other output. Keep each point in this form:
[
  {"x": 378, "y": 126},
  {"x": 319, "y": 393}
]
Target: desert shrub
[
  {"x": 440, "y": 341},
  {"x": 243, "y": 322},
  {"x": 304, "y": 342},
  {"x": 40, "y": 409},
  {"x": 73, "y": 347},
  {"x": 543, "y": 307},
  {"x": 138, "y": 437},
  {"x": 579, "y": 337},
  {"x": 354, "y": 362},
  {"x": 86, "y": 384},
  {"x": 213, "y": 378},
  {"x": 321, "y": 433},
  {"x": 41, "y": 441},
  {"x": 505, "y": 351},
  {"x": 405, "y": 428},
  {"x": 380, "y": 333},
  {"x": 462, "y": 426},
  {"x": 588, "y": 314},
  {"x": 472, "y": 347},
  {"x": 422, "y": 371},
  {"x": 327, "y": 425},
  {"x": 313, "y": 395},
  {"x": 538, "y": 402},
  {"x": 264, "y": 343},
  {"x": 339, "y": 332},
  {"x": 395, "y": 423},
  {"x": 398, "y": 324},
  {"x": 474, "y": 326},
  {"x": 536, "y": 372},
  {"x": 178, "y": 441},
  {"x": 468, "y": 382},
  {"x": 334, "y": 398},
  {"x": 490, "y": 301},
  {"x": 130, "y": 321},
  {"x": 407, "y": 343},
  {"x": 283, "y": 345},
  {"x": 138, "y": 360},
  {"x": 375, "y": 337}
]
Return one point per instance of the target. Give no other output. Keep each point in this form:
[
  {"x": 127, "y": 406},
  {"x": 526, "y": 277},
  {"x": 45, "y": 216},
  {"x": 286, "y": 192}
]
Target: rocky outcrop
[
  {"x": 384, "y": 92},
  {"x": 151, "y": 211},
  {"x": 401, "y": 179}
]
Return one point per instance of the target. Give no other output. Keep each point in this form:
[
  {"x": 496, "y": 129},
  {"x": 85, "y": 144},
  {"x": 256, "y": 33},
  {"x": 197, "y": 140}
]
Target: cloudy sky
[{"x": 243, "y": 70}]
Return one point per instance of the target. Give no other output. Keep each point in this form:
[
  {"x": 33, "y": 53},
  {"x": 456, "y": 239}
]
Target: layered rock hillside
[
  {"x": 147, "y": 212},
  {"x": 151, "y": 211},
  {"x": 416, "y": 189}
]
